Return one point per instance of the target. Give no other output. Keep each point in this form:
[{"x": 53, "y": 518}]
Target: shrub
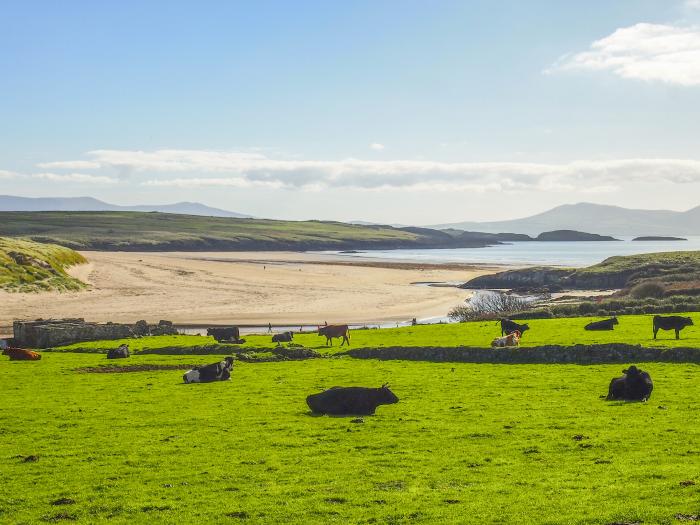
[
  {"x": 648, "y": 289},
  {"x": 586, "y": 308}
]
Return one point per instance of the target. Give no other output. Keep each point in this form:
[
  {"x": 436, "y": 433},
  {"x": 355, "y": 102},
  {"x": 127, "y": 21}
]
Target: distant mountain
[
  {"x": 594, "y": 218},
  {"x": 11, "y": 203}
]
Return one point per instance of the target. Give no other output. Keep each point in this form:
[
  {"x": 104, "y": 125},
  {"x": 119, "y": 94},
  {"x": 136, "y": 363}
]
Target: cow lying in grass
[
  {"x": 20, "y": 354},
  {"x": 507, "y": 340},
  {"x": 605, "y": 324},
  {"x": 634, "y": 385},
  {"x": 118, "y": 353},
  {"x": 508, "y": 327},
  {"x": 335, "y": 331},
  {"x": 672, "y": 322},
  {"x": 220, "y": 371},
  {"x": 351, "y": 400}
]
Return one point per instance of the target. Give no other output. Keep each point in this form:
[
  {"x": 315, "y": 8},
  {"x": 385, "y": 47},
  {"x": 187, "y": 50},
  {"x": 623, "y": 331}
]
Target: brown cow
[
  {"x": 20, "y": 354},
  {"x": 335, "y": 330}
]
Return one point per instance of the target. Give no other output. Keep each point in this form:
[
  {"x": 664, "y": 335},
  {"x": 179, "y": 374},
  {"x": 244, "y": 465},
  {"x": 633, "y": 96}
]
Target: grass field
[
  {"x": 531, "y": 444},
  {"x": 27, "y": 266},
  {"x": 633, "y": 329}
]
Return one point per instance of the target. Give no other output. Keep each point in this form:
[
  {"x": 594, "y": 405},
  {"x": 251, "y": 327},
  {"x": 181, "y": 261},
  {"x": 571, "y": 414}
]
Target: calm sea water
[{"x": 540, "y": 253}]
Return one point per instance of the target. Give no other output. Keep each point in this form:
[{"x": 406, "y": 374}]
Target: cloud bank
[
  {"x": 650, "y": 52},
  {"x": 202, "y": 168}
]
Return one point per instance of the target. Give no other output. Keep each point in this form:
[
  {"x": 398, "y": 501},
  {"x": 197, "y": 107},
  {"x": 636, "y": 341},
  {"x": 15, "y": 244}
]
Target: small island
[
  {"x": 659, "y": 238},
  {"x": 572, "y": 235}
]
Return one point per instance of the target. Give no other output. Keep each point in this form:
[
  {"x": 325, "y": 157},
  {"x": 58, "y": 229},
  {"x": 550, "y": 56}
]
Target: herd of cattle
[{"x": 633, "y": 385}]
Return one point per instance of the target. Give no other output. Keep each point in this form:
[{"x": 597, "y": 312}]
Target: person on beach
[{"x": 269, "y": 328}]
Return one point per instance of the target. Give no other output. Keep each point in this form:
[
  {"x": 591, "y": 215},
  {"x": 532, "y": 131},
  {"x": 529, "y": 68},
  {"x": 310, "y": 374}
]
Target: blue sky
[{"x": 413, "y": 112}]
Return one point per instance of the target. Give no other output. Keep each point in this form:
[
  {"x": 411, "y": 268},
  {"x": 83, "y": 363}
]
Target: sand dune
[{"x": 246, "y": 288}]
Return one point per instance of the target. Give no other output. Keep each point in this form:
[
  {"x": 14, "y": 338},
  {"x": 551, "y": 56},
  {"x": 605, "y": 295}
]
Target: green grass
[
  {"x": 633, "y": 329},
  {"x": 27, "y": 266},
  {"x": 164, "y": 231},
  {"x": 466, "y": 444}
]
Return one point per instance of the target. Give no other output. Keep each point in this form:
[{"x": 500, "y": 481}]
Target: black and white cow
[
  {"x": 220, "y": 371},
  {"x": 284, "y": 337},
  {"x": 118, "y": 353}
]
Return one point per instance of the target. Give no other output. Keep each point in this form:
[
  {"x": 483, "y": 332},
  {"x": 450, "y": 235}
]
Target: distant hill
[
  {"x": 12, "y": 203},
  {"x": 571, "y": 235},
  {"x": 594, "y": 218},
  {"x": 138, "y": 231}
]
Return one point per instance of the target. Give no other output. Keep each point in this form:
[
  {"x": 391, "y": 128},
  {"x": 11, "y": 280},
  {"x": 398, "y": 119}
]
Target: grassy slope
[
  {"x": 633, "y": 329},
  {"x": 466, "y": 444},
  {"x": 132, "y": 230},
  {"x": 43, "y": 269}
]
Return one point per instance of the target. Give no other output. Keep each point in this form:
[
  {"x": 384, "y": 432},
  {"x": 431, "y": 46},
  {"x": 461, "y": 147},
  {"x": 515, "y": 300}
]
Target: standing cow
[
  {"x": 634, "y": 385},
  {"x": 605, "y": 324},
  {"x": 220, "y": 371},
  {"x": 351, "y": 400},
  {"x": 672, "y": 322},
  {"x": 222, "y": 335},
  {"x": 508, "y": 327},
  {"x": 335, "y": 331}
]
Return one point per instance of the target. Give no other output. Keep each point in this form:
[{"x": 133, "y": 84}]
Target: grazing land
[
  {"x": 531, "y": 444},
  {"x": 27, "y": 266},
  {"x": 633, "y": 329}
]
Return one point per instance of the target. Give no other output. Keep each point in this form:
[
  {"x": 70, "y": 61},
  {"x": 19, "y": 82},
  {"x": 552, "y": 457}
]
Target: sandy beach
[{"x": 282, "y": 288}]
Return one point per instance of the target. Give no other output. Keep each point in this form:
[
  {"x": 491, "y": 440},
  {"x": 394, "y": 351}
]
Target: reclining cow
[
  {"x": 220, "y": 371},
  {"x": 284, "y": 337},
  {"x": 605, "y": 324},
  {"x": 223, "y": 335},
  {"x": 512, "y": 340},
  {"x": 335, "y": 331},
  {"x": 20, "y": 354},
  {"x": 508, "y": 327},
  {"x": 118, "y": 353},
  {"x": 634, "y": 385},
  {"x": 672, "y": 322},
  {"x": 352, "y": 400}
]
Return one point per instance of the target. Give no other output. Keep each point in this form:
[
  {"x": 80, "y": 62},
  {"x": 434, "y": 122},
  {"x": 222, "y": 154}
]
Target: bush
[
  {"x": 648, "y": 289},
  {"x": 586, "y": 308}
]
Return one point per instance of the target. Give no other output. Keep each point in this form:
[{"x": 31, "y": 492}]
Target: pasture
[
  {"x": 530, "y": 444},
  {"x": 633, "y": 329}
]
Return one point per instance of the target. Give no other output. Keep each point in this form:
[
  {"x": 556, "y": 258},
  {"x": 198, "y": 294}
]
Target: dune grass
[
  {"x": 633, "y": 329},
  {"x": 529, "y": 444},
  {"x": 28, "y": 266}
]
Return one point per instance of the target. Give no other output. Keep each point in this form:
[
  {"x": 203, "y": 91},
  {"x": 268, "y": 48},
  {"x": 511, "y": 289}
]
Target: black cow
[
  {"x": 672, "y": 322},
  {"x": 284, "y": 337},
  {"x": 634, "y": 385},
  {"x": 220, "y": 371},
  {"x": 224, "y": 334},
  {"x": 508, "y": 327},
  {"x": 118, "y": 353},
  {"x": 605, "y": 324},
  {"x": 351, "y": 400}
]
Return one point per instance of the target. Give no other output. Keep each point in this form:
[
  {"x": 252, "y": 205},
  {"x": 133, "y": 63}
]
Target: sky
[{"x": 405, "y": 111}]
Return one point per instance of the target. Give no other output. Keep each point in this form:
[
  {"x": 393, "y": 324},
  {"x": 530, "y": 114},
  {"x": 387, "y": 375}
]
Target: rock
[{"x": 141, "y": 328}]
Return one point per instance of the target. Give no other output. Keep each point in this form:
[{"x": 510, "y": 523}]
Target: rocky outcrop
[
  {"x": 553, "y": 354},
  {"x": 46, "y": 333}
]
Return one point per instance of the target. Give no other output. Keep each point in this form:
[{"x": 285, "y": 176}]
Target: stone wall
[
  {"x": 45, "y": 333},
  {"x": 554, "y": 354}
]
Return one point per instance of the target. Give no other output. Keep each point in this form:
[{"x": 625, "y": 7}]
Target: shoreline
[{"x": 249, "y": 288}]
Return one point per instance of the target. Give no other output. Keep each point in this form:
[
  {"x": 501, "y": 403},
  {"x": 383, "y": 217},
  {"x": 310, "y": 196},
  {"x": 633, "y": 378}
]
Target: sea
[{"x": 569, "y": 254}]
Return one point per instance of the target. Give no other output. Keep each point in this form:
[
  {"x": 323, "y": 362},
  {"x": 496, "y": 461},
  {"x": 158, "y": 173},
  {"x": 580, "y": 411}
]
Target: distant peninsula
[
  {"x": 572, "y": 235},
  {"x": 659, "y": 238}
]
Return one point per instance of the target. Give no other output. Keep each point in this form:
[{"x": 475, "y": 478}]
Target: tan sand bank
[{"x": 246, "y": 288}]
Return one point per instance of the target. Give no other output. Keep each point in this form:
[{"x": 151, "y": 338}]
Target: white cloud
[
  {"x": 75, "y": 177},
  {"x": 202, "y": 168},
  {"x": 8, "y": 174},
  {"x": 651, "y": 52},
  {"x": 70, "y": 165},
  {"x": 692, "y": 4},
  {"x": 376, "y": 146}
]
